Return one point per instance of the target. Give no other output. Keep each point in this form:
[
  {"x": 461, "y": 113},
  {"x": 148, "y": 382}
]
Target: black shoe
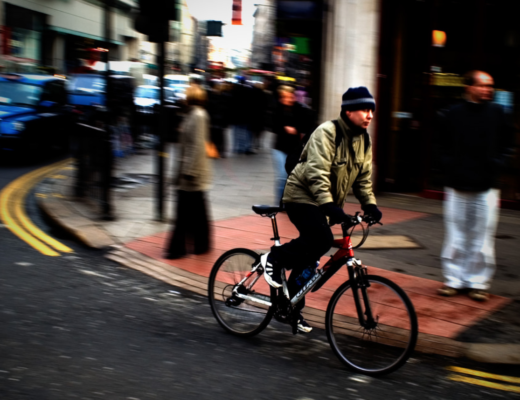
[
  {"x": 272, "y": 272},
  {"x": 302, "y": 326}
]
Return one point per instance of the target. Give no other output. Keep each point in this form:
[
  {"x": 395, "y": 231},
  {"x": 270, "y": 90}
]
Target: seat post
[{"x": 276, "y": 237}]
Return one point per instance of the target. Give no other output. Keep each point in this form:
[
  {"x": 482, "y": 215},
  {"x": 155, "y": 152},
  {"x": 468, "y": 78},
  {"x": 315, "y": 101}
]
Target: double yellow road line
[
  {"x": 484, "y": 383},
  {"x": 12, "y": 211}
]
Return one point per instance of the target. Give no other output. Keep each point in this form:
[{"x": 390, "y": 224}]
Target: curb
[
  {"x": 494, "y": 353},
  {"x": 54, "y": 203}
]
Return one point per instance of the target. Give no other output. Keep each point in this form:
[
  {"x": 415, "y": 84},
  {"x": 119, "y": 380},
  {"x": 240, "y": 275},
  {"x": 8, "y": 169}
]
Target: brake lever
[{"x": 370, "y": 221}]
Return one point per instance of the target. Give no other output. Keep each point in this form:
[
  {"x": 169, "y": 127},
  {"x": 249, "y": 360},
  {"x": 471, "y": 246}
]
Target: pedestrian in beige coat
[{"x": 191, "y": 232}]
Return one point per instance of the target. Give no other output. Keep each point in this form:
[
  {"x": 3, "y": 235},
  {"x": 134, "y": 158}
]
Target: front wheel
[
  {"x": 383, "y": 346},
  {"x": 239, "y": 316}
]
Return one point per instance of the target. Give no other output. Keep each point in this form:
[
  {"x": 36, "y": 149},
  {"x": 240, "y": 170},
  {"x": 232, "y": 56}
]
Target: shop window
[{"x": 25, "y": 29}]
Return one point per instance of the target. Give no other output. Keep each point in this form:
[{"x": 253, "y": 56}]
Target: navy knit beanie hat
[{"x": 358, "y": 98}]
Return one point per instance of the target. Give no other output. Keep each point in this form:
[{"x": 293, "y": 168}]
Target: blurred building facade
[
  {"x": 180, "y": 51},
  {"x": 59, "y": 33},
  {"x": 200, "y": 59},
  {"x": 263, "y": 35}
]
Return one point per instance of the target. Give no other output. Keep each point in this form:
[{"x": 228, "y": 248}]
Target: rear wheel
[
  {"x": 238, "y": 316},
  {"x": 387, "y": 344}
]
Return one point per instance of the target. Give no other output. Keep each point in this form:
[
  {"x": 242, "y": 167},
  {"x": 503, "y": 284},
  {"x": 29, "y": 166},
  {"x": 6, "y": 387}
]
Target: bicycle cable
[{"x": 364, "y": 236}]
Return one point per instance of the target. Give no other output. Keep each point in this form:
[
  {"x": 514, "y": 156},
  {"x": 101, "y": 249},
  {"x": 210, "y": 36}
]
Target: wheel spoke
[
  {"x": 236, "y": 315},
  {"x": 385, "y": 346}
]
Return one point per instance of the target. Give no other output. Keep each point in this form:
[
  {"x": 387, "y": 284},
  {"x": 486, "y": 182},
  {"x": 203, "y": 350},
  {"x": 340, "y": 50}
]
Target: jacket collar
[
  {"x": 354, "y": 135},
  {"x": 349, "y": 129}
]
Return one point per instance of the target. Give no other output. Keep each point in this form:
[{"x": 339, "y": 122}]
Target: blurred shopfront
[
  {"x": 22, "y": 34},
  {"x": 298, "y": 50},
  {"x": 420, "y": 75}
]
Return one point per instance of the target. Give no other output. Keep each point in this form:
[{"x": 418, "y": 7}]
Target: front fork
[{"x": 358, "y": 282}]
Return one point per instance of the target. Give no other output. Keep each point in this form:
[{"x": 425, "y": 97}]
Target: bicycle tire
[
  {"x": 247, "y": 318},
  {"x": 393, "y": 339}
]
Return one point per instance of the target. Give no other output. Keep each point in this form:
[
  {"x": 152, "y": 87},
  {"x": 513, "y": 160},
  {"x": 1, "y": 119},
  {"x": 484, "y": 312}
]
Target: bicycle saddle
[{"x": 266, "y": 211}]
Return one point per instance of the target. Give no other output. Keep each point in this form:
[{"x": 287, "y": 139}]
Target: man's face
[
  {"x": 287, "y": 98},
  {"x": 361, "y": 118},
  {"x": 482, "y": 90}
]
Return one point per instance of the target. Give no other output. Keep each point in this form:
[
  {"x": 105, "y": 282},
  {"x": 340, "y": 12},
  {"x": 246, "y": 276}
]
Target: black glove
[
  {"x": 373, "y": 212},
  {"x": 335, "y": 213}
]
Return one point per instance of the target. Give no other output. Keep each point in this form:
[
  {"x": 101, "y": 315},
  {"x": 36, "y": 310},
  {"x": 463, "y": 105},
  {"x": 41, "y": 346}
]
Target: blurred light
[
  {"x": 102, "y": 49},
  {"x": 18, "y": 126},
  {"x": 60, "y": 76},
  {"x": 286, "y": 79},
  {"x": 199, "y": 70},
  {"x": 438, "y": 38}
]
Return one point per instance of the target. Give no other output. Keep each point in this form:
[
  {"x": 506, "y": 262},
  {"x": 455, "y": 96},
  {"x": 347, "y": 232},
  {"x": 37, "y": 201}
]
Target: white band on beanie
[{"x": 358, "y": 101}]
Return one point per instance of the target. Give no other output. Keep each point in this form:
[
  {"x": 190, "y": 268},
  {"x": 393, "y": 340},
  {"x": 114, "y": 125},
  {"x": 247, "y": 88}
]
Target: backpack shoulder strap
[
  {"x": 338, "y": 137},
  {"x": 367, "y": 140}
]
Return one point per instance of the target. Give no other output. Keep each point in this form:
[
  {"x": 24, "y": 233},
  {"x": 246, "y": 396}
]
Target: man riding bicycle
[{"x": 317, "y": 188}]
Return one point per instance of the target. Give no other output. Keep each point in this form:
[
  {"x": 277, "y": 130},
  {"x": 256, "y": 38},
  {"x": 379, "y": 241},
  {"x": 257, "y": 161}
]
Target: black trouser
[
  {"x": 191, "y": 226},
  {"x": 314, "y": 241},
  {"x": 217, "y": 137}
]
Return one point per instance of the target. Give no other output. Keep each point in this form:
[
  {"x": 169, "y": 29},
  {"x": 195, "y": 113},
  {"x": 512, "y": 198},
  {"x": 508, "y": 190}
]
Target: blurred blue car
[
  {"x": 87, "y": 89},
  {"x": 33, "y": 112},
  {"x": 87, "y": 93}
]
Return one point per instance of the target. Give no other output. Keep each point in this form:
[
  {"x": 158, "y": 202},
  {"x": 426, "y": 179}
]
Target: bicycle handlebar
[{"x": 352, "y": 220}]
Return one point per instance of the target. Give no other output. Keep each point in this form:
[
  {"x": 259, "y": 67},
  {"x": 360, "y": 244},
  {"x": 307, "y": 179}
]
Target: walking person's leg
[
  {"x": 481, "y": 246},
  {"x": 201, "y": 229},
  {"x": 218, "y": 139},
  {"x": 241, "y": 132},
  {"x": 279, "y": 158},
  {"x": 177, "y": 245},
  {"x": 236, "y": 139},
  {"x": 247, "y": 140},
  {"x": 454, "y": 250}
]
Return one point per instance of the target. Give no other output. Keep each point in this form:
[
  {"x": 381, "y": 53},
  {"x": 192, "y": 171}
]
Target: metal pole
[
  {"x": 107, "y": 153},
  {"x": 161, "y": 155}
]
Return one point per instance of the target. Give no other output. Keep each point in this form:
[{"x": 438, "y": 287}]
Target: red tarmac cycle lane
[{"x": 438, "y": 316}]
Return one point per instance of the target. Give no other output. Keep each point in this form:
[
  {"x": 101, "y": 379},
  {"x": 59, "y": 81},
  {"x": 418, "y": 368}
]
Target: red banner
[{"x": 237, "y": 13}]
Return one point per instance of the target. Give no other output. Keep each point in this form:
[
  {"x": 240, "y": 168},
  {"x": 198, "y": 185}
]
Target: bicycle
[{"x": 370, "y": 322}]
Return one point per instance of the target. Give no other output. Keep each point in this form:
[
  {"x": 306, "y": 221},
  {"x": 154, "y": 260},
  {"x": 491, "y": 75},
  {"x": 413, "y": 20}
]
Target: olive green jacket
[
  {"x": 326, "y": 175},
  {"x": 194, "y": 172}
]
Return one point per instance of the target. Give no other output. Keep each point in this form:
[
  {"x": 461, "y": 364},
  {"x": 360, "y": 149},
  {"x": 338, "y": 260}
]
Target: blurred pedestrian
[
  {"x": 258, "y": 115},
  {"x": 193, "y": 180},
  {"x": 302, "y": 96},
  {"x": 290, "y": 123},
  {"x": 477, "y": 136},
  {"x": 240, "y": 116},
  {"x": 216, "y": 110}
]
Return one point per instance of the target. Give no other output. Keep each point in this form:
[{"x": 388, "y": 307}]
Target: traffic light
[
  {"x": 214, "y": 28},
  {"x": 153, "y": 18}
]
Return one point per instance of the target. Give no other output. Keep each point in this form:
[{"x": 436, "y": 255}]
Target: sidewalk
[{"x": 406, "y": 249}]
